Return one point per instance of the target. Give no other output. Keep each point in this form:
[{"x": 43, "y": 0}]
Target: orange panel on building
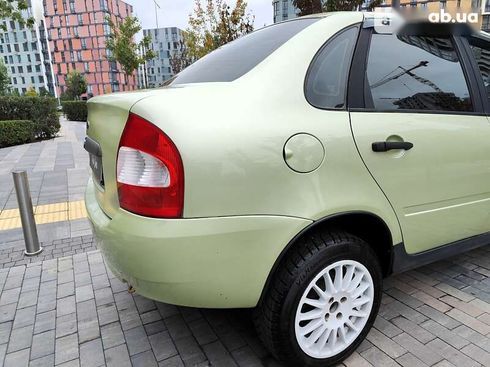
[{"x": 77, "y": 34}]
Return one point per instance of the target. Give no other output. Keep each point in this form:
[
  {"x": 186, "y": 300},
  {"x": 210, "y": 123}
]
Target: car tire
[{"x": 301, "y": 305}]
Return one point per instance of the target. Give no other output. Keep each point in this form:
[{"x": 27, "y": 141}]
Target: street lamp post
[{"x": 156, "y": 11}]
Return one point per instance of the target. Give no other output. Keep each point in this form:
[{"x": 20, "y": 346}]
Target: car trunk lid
[{"x": 107, "y": 117}]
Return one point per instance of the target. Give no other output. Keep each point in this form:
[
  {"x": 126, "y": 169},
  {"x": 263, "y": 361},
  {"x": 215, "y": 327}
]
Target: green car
[{"x": 291, "y": 170}]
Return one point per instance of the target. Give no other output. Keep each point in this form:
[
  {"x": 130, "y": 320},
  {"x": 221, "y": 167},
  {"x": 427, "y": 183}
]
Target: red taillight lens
[{"x": 150, "y": 175}]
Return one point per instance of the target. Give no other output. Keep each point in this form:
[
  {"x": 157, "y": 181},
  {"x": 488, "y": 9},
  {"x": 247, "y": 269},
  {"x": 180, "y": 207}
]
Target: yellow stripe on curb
[{"x": 49, "y": 213}]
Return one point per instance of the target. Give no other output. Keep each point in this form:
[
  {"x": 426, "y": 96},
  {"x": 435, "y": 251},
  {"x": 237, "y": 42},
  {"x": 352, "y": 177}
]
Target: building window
[{"x": 485, "y": 26}]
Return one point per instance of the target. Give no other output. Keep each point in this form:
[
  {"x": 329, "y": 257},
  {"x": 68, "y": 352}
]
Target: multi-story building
[
  {"x": 164, "y": 42},
  {"x": 485, "y": 20},
  {"x": 25, "y": 52},
  {"x": 142, "y": 79},
  {"x": 78, "y": 31},
  {"x": 284, "y": 10}
]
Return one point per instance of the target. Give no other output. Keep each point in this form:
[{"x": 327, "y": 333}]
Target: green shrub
[
  {"x": 75, "y": 110},
  {"x": 40, "y": 110},
  {"x": 16, "y": 132}
]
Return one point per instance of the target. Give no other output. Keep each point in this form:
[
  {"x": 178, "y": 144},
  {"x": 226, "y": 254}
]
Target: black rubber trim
[
  {"x": 402, "y": 261},
  {"x": 92, "y": 147},
  {"x": 471, "y": 61},
  {"x": 355, "y": 88}
]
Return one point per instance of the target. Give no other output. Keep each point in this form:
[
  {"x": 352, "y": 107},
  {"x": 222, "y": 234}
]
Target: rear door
[{"x": 419, "y": 125}]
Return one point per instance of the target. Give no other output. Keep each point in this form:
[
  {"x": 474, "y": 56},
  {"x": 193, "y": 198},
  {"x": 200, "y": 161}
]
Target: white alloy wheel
[{"x": 334, "y": 309}]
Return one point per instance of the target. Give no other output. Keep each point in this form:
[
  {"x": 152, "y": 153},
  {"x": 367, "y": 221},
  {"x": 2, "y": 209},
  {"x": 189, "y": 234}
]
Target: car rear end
[{"x": 136, "y": 201}]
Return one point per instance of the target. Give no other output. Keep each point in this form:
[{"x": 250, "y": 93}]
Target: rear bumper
[{"x": 208, "y": 262}]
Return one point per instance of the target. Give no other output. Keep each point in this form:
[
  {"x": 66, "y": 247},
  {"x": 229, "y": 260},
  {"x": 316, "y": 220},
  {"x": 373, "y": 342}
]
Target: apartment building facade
[
  {"x": 165, "y": 42},
  {"x": 77, "y": 33},
  {"x": 25, "y": 53},
  {"x": 283, "y": 10}
]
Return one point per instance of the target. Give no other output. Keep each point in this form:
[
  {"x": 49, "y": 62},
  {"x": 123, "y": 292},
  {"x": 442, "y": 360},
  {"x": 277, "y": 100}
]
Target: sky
[{"x": 175, "y": 13}]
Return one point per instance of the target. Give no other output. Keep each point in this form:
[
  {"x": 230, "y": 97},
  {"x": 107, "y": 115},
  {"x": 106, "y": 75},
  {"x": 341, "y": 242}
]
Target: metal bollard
[{"x": 26, "y": 213}]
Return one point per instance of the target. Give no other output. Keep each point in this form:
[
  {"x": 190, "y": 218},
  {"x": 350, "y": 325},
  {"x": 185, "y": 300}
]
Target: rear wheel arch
[{"x": 365, "y": 225}]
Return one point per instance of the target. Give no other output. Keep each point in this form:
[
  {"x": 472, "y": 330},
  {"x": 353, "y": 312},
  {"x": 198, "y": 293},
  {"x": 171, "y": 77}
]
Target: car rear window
[{"x": 237, "y": 58}]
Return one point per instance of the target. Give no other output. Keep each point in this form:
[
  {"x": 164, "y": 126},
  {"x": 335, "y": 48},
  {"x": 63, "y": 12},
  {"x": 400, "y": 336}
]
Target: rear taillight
[{"x": 150, "y": 175}]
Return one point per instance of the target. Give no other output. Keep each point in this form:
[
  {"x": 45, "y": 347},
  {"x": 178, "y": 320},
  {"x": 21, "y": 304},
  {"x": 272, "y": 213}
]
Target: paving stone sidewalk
[
  {"x": 58, "y": 172},
  {"x": 71, "y": 311},
  {"x": 12, "y": 253}
]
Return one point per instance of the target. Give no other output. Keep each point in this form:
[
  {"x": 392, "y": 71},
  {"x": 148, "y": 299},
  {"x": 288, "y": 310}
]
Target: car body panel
[
  {"x": 440, "y": 188},
  {"x": 232, "y": 148},
  {"x": 206, "y": 262}
]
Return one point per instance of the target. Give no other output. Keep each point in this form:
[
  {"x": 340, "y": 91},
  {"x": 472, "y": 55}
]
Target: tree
[
  {"x": 43, "y": 92},
  {"x": 13, "y": 9},
  {"x": 349, "y": 5},
  {"x": 307, "y": 7},
  {"x": 123, "y": 48},
  {"x": 4, "y": 79},
  {"x": 180, "y": 59},
  {"x": 75, "y": 85},
  {"x": 31, "y": 92},
  {"x": 214, "y": 24}
]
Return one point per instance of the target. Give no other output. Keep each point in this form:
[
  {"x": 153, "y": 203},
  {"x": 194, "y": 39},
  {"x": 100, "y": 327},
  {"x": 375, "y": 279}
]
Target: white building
[
  {"x": 283, "y": 10},
  {"x": 25, "y": 52},
  {"x": 165, "y": 42}
]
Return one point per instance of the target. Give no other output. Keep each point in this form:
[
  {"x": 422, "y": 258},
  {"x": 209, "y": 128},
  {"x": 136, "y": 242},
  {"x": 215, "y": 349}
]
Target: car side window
[
  {"x": 421, "y": 73},
  {"x": 481, "y": 52},
  {"x": 326, "y": 83}
]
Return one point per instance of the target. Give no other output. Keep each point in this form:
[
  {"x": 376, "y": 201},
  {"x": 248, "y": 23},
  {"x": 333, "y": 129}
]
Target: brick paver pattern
[
  {"x": 58, "y": 173},
  {"x": 72, "y": 311}
]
